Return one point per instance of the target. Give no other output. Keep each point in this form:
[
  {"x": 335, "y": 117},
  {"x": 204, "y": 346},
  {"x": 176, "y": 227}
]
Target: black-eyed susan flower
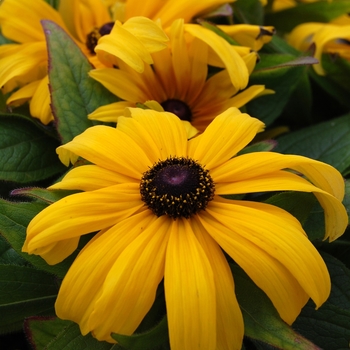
[
  {"x": 167, "y": 11},
  {"x": 156, "y": 199},
  {"x": 177, "y": 80},
  {"x": 23, "y": 65}
]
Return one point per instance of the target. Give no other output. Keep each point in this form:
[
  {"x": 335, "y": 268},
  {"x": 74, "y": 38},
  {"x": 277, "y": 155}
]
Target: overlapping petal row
[{"x": 134, "y": 250}]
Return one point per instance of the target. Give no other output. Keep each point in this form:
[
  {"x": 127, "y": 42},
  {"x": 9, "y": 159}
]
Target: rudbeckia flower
[
  {"x": 327, "y": 38},
  {"x": 178, "y": 81},
  {"x": 156, "y": 199},
  {"x": 26, "y": 61},
  {"x": 167, "y": 10}
]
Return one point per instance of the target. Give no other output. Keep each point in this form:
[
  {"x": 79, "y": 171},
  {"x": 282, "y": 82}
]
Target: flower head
[
  {"x": 24, "y": 64},
  {"x": 156, "y": 199},
  {"x": 178, "y": 80}
]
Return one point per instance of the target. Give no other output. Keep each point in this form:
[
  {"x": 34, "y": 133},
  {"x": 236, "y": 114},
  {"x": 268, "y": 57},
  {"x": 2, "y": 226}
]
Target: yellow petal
[
  {"x": 189, "y": 291},
  {"x": 281, "y": 236},
  {"x": 134, "y": 278},
  {"x": 228, "y": 312},
  {"x": 81, "y": 213},
  {"x": 90, "y": 178},
  {"x": 109, "y": 148},
  {"x": 20, "y": 19},
  {"x": 84, "y": 281},
  {"x": 249, "y": 35},
  {"x": 249, "y": 94},
  {"x": 118, "y": 82},
  {"x": 148, "y": 32},
  {"x": 233, "y": 62},
  {"x": 110, "y": 113},
  {"x": 258, "y": 172},
  {"x": 166, "y": 130},
  {"x": 224, "y": 137}
]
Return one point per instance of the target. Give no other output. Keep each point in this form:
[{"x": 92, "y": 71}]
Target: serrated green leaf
[
  {"x": 261, "y": 320},
  {"x": 149, "y": 340},
  {"x": 24, "y": 291},
  {"x": 14, "y": 219},
  {"x": 320, "y": 11},
  {"x": 26, "y": 153},
  {"x": 73, "y": 93},
  {"x": 43, "y": 194},
  {"x": 328, "y": 142},
  {"x": 329, "y": 325}
]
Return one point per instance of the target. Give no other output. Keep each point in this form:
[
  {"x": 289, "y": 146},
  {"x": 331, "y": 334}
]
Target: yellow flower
[
  {"x": 327, "y": 38},
  {"x": 178, "y": 81},
  {"x": 26, "y": 61},
  {"x": 167, "y": 10},
  {"x": 156, "y": 200},
  {"x": 279, "y": 5}
]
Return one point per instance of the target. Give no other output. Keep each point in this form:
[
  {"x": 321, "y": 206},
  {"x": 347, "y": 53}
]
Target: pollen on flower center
[
  {"x": 179, "y": 108},
  {"x": 96, "y": 33},
  {"x": 177, "y": 187}
]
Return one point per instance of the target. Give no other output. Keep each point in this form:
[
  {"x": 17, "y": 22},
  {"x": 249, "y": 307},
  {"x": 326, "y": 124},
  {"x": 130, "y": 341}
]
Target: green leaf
[
  {"x": 42, "y": 194},
  {"x": 24, "y": 291},
  {"x": 299, "y": 204},
  {"x": 8, "y": 255},
  {"x": 248, "y": 11},
  {"x": 73, "y": 93},
  {"x": 26, "y": 153},
  {"x": 54, "y": 334},
  {"x": 320, "y": 11},
  {"x": 328, "y": 142},
  {"x": 14, "y": 219},
  {"x": 329, "y": 325},
  {"x": 282, "y": 80},
  {"x": 149, "y": 340},
  {"x": 261, "y": 320},
  {"x": 263, "y": 146}
]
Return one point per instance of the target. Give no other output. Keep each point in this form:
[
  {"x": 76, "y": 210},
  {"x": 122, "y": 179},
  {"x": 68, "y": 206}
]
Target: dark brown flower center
[
  {"x": 93, "y": 37},
  {"x": 179, "y": 108},
  {"x": 177, "y": 187}
]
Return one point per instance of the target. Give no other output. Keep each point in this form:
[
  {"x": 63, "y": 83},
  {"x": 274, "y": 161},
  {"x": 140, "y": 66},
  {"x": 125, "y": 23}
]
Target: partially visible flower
[
  {"x": 165, "y": 10},
  {"x": 26, "y": 61},
  {"x": 156, "y": 200},
  {"x": 279, "y": 5},
  {"x": 178, "y": 80},
  {"x": 326, "y": 37}
]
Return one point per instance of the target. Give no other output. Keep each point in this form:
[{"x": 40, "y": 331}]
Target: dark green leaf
[
  {"x": 24, "y": 291},
  {"x": 299, "y": 204},
  {"x": 249, "y": 11},
  {"x": 263, "y": 146},
  {"x": 54, "y": 334},
  {"x": 320, "y": 11},
  {"x": 278, "y": 45},
  {"x": 8, "y": 255},
  {"x": 329, "y": 325},
  {"x": 282, "y": 80},
  {"x": 73, "y": 93},
  {"x": 328, "y": 142},
  {"x": 14, "y": 219},
  {"x": 26, "y": 153},
  {"x": 261, "y": 320},
  {"x": 149, "y": 340}
]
